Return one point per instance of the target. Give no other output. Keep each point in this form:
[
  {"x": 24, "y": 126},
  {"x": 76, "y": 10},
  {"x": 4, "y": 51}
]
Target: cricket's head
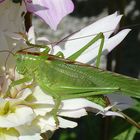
[
  {"x": 21, "y": 66},
  {"x": 25, "y": 63}
]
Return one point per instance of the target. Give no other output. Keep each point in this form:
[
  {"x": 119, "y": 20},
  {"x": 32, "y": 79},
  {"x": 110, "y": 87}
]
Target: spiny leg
[
  {"x": 60, "y": 54},
  {"x": 96, "y": 38},
  {"x": 36, "y": 45},
  {"x": 46, "y": 51},
  {"x": 100, "y": 50},
  {"x": 90, "y": 93},
  {"x": 80, "y": 94},
  {"x": 98, "y": 91},
  {"x": 75, "y": 55}
]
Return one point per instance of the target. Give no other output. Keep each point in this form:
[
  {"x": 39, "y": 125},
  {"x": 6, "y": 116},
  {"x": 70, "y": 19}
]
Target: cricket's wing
[
  {"x": 58, "y": 74},
  {"x": 127, "y": 85}
]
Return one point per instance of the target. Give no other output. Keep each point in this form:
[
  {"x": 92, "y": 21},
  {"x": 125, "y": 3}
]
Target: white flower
[
  {"x": 107, "y": 26},
  {"x": 17, "y": 116},
  {"x": 26, "y": 112},
  {"x": 71, "y": 108}
]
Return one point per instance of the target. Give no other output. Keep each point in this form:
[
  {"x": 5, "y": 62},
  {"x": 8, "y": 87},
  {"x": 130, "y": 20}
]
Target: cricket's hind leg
[{"x": 15, "y": 83}]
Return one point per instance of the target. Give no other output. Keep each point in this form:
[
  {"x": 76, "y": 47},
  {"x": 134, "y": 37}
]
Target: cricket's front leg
[
  {"x": 54, "y": 111},
  {"x": 60, "y": 54},
  {"x": 46, "y": 51},
  {"x": 15, "y": 83}
]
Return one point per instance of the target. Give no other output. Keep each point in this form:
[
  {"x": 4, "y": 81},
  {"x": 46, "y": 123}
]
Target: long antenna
[
  {"x": 81, "y": 37},
  {"x": 8, "y": 51},
  {"x": 66, "y": 38}
]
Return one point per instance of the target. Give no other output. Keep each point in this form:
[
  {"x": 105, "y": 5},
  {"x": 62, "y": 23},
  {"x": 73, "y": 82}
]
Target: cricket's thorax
[{"x": 26, "y": 64}]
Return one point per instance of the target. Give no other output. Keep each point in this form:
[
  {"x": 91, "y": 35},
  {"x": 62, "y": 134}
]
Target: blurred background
[{"x": 126, "y": 57}]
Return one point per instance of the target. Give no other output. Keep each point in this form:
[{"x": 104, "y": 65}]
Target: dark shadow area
[{"x": 89, "y": 7}]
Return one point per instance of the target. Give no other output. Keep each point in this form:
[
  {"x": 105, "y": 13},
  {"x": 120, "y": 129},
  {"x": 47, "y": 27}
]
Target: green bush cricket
[{"x": 66, "y": 78}]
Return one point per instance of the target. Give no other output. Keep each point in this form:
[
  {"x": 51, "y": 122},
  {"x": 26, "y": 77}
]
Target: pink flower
[{"x": 51, "y": 11}]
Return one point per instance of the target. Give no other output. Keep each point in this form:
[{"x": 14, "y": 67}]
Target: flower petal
[
  {"x": 111, "y": 113},
  {"x": 48, "y": 123},
  {"x": 1, "y": 1},
  {"x": 41, "y": 97},
  {"x": 115, "y": 40},
  {"x": 73, "y": 113},
  {"x": 29, "y": 132},
  {"x": 122, "y": 102},
  {"x": 31, "y": 35},
  {"x": 51, "y": 11},
  {"x": 32, "y": 137},
  {"x": 79, "y": 103},
  {"x": 89, "y": 56},
  {"x": 66, "y": 123},
  {"x": 22, "y": 115},
  {"x": 9, "y": 134},
  {"x": 103, "y": 25}
]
